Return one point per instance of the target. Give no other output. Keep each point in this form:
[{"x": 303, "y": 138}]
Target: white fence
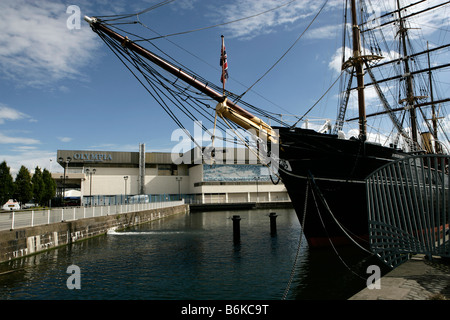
[{"x": 21, "y": 219}]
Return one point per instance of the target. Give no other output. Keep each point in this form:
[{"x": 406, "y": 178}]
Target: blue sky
[{"x": 64, "y": 89}]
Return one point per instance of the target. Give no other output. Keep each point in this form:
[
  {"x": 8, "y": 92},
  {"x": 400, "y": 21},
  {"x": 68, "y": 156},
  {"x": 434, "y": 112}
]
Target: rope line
[
  {"x": 219, "y": 24},
  {"x": 291, "y": 278},
  {"x": 331, "y": 242},
  {"x": 323, "y": 200},
  {"x": 287, "y": 51}
]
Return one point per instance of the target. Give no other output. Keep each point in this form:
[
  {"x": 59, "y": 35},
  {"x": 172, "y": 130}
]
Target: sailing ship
[{"x": 326, "y": 166}]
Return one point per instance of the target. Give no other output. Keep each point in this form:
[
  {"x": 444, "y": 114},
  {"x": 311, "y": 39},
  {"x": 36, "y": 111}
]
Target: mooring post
[
  {"x": 273, "y": 223},
  {"x": 236, "y": 229}
]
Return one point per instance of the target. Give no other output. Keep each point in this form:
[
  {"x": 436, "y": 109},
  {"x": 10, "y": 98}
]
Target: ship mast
[
  {"x": 410, "y": 98},
  {"x": 434, "y": 118},
  {"x": 358, "y": 64}
]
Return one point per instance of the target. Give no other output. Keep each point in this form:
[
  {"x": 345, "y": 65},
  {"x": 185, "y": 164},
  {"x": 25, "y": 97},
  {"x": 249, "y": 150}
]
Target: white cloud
[
  {"x": 30, "y": 158},
  {"x": 336, "y": 60},
  {"x": 17, "y": 140},
  {"x": 65, "y": 139},
  {"x": 185, "y": 4},
  {"x": 325, "y": 32},
  {"x": 7, "y": 113},
  {"x": 10, "y": 114},
  {"x": 267, "y": 22},
  {"x": 36, "y": 47}
]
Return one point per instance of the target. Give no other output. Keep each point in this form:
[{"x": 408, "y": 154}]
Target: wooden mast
[
  {"x": 434, "y": 118},
  {"x": 358, "y": 64},
  {"x": 410, "y": 98}
]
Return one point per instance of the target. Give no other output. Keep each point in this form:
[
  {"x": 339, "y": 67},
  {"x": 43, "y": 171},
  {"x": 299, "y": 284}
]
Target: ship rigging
[{"x": 338, "y": 166}]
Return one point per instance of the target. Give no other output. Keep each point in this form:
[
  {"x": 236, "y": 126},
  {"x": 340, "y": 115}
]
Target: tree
[
  {"x": 6, "y": 183},
  {"x": 49, "y": 187},
  {"x": 37, "y": 185},
  {"x": 23, "y": 186}
]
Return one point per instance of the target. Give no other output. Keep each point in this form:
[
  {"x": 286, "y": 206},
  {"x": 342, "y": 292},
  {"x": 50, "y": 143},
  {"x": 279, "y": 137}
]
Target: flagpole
[
  {"x": 223, "y": 92},
  {"x": 223, "y": 65}
]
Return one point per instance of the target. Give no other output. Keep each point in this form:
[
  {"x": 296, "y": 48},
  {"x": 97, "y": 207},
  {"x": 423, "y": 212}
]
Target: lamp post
[
  {"x": 90, "y": 173},
  {"x": 125, "y": 178},
  {"x": 179, "y": 186},
  {"x": 65, "y": 164}
]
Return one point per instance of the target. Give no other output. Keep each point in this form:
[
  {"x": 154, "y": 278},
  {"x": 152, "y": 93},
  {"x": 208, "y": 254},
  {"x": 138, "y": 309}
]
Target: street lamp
[
  {"x": 61, "y": 161},
  {"x": 125, "y": 178},
  {"x": 90, "y": 173}
]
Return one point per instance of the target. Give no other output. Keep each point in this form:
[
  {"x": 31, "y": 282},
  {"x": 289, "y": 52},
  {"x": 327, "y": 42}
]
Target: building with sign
[{"x": 111, "y": 177}]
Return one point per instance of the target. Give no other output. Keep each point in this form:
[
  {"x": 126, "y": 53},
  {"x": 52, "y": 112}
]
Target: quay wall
[{"x": 26, "y": 241}]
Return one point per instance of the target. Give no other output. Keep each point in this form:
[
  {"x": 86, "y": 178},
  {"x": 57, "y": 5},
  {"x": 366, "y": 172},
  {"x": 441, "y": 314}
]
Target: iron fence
[
  {"x": 21, "y": 219},
  {"x": 408, "y": 208}
]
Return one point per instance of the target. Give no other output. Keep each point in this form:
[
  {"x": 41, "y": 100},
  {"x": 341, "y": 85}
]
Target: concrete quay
[
  {"x": 415, "y": 279},
  {"x": 26, "y": 241}
]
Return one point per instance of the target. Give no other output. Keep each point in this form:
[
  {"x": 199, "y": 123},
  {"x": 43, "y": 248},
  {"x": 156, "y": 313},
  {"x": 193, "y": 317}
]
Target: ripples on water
[{"x": 187, "y": 257}]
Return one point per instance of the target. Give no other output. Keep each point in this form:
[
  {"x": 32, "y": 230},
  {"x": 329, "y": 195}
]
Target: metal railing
[
  {"x": 408, "y": 208},
  {"x": 21, "y": 219},
  {"x": 108, "y": 200},
  {"x": 208, "y": 198}
]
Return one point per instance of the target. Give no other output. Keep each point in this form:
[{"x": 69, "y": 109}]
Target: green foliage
[
  {"x": 49, "y": 187},
  {"x": 6, "y": 183},
  {"x": 38, "y": 186},
  {"x": 41, "y": 187},
  {"x": 23, "y": 187}
]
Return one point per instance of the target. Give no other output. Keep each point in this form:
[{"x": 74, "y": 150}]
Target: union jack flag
[{"x": 223, "y": 63}]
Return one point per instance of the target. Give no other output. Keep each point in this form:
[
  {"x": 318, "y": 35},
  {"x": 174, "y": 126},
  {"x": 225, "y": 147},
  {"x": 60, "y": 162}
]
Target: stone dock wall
[{"x": 22, "y": 242}]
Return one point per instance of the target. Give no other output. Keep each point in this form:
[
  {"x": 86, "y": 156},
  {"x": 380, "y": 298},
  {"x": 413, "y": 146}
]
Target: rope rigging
[
  {"x": 329, "y": 239},
  {"x": 138, "y": 21},
  {"x": 369, "y": 39},
  {"x": 318, "y": 196},
  {"x": 284, "y": 54},
  {"x": 291, "y": 278},
  {"x": 168, "y": 93},
  {"x": 115, "y": 20},
  {"x": 216, "y": 25}
]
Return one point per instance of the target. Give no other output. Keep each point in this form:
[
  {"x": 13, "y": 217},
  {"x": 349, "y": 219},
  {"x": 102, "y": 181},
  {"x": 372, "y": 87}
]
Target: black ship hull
[{"x": 338, "y": 168}]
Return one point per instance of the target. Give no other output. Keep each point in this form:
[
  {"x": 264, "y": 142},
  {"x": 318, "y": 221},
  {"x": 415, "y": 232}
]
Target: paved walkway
[{"x": 416, "y": 279}]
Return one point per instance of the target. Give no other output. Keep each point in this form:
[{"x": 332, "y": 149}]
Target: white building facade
[{"x": 104, "y": 177}]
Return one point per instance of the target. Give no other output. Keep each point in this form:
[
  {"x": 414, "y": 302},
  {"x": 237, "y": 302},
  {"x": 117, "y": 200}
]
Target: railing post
[
  {"x": 32, "y": 218},
  {"x": 12, "y": 222}
]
